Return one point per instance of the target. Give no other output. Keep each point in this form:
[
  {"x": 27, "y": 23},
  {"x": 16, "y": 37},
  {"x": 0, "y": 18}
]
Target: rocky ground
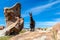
[
  {"x": 36, "y": 35},
  {"x": 52, "y": 33}
]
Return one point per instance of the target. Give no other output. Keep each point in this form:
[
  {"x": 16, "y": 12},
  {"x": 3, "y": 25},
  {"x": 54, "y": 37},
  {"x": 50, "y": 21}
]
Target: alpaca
[{"x": 32, "y": 23}]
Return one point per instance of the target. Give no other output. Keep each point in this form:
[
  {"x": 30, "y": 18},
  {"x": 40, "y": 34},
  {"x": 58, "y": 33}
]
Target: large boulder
[{"x": 10, "y": 14}]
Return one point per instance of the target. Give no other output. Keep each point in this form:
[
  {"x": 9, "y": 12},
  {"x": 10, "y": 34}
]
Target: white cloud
[
  {"x": 58, "y": 13},
  {"x": 45, "y": 24},
  {"x": 41, "y": 9},
  {"x": 37, "y": 10},
  {"x": 56, "y": 19},
  {"x": 41, "y": 24}
]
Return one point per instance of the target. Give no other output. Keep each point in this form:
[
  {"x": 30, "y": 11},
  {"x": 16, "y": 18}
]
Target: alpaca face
[{"x": 30, "y": 14}]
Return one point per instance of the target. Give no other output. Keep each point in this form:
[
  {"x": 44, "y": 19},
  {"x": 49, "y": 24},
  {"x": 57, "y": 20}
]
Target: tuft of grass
[
  {"x": 8, "y": 37},
  {"x": 54, "y": 34},
  {"x": 5, "y": 37},
  {"x": 22, "y": 31}
]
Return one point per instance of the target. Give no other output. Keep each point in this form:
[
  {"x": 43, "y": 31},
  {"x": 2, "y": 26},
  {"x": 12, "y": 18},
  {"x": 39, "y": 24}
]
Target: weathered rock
[
  {"x": 1, "y": 27},
  {"x": 11, "y": 14}
]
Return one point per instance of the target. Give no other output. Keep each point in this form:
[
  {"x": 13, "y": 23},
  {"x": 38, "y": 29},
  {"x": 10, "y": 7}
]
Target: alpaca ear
[{"x": 30, "y": 13}]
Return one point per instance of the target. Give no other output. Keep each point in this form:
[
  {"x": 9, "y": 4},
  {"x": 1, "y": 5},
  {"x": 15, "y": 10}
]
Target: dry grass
[{"x": 5, "y": 37}]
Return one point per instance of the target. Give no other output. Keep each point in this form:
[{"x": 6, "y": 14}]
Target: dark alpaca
[{"x": 32, "y": 23}]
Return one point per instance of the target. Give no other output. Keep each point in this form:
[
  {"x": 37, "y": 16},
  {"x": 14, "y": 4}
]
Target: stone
[
  {"x": 1, "y": 27},
  {"x": 10, "y": 14}
]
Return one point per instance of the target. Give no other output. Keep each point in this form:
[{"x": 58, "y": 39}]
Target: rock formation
[
  {"x": 11, "y": 14},
  {"x": 1, "y": 27},
  {"x": 56, "y": 31},
  {"x": 56, "y": 27}
]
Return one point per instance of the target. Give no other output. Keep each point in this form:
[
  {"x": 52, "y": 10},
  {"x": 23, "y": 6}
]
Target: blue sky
[{"x": 46, "y": 13}]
